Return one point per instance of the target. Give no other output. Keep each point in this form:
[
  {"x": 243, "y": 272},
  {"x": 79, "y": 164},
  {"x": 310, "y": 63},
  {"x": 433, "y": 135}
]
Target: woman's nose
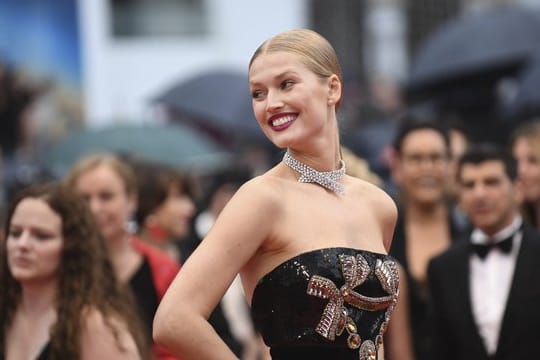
[
  {"x": 23, "y": 240},
  {"x": 273, "y": 102},
  {"x": 190, "y": 207}
]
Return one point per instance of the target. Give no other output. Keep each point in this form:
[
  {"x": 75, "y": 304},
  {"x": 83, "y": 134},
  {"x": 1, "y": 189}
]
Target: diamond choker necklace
[{"x": 327, "y": 179}]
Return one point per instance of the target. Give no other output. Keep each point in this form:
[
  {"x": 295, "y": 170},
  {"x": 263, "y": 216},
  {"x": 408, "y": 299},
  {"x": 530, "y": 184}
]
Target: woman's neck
[
  {"x": 318, "y": 160},
  {"x": 325, "y": 153},
  {"x": 426, "y": 212},
  {"x": 154, "y": 233},
  {"x": 118, "y": 244},
  {"x": 125, "y": 259},
  {"x": 39, "y": 298}
]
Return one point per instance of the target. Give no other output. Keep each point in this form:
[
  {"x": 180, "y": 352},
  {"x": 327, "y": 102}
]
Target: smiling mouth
[{"x": 282, "y": 120}]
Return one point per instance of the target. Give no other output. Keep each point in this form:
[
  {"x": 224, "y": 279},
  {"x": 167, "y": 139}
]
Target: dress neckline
[
  {"x": 307, "y": 252},
  {"x": 318, "y": 295}
]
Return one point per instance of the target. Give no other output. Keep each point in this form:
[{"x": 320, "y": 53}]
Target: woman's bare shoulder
[
  {"x": 371, "y": 192},
  {"x": 107, "y": 336},
  {"x": 266, "y": 190},
  {"x": 93, "y": 318},
  {"x": 251, "y": 213}
]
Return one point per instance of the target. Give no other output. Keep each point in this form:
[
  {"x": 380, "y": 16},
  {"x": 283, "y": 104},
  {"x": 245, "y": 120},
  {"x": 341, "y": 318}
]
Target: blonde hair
[
  {"x": 531, "y": 132},
  {"x": 359, "y": 167},
  {"x": 91, "y": 162},
  {"x": 316, "y": 52}
]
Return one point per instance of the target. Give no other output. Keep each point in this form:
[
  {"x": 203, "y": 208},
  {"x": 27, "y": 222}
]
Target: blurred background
[{"x": 123, "y": 75}]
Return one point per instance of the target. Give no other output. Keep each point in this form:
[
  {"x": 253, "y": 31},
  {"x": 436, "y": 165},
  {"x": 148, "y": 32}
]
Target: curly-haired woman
[{"x": 59, "y": 297}]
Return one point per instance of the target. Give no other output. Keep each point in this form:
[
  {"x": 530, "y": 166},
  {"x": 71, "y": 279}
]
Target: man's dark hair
[
  {"x": 483, "y": 152},
  {"x": 419, "y": 120}
]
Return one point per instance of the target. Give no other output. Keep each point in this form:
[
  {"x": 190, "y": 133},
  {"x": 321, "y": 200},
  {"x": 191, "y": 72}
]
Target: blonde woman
[
  {"x": 309, "y": 241},
  {"x": 109, "y": 186},
  {"x": 526, "y": 149}
]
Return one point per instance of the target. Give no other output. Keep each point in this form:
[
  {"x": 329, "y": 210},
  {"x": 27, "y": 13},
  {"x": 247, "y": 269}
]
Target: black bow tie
[{"x": 504, "y": 245}]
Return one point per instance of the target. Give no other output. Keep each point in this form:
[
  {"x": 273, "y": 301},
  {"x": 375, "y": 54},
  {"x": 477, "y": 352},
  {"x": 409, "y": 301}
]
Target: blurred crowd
[
  {"x": 87, "y": 256},
  {"x": 149, "y": 217}
]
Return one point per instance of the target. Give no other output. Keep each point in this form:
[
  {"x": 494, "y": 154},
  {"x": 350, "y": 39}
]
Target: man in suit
[{"x": 486, "y": 291}]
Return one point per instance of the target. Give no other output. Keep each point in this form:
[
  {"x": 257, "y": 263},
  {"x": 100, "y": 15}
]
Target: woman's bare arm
[
  {"x": 98, "y": 340},
  {"x": 181, "y": 322},
  {"x": 386, "y": 211}
]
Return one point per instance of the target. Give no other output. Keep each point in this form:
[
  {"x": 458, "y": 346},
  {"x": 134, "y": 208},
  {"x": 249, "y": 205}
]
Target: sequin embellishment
[{"x": 336, "y": 318}]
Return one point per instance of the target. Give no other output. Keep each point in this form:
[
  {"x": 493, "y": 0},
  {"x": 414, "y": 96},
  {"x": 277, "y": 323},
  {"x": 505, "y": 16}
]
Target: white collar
[{"x": 480, "y": 237}]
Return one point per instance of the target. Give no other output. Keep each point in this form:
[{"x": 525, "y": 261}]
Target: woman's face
[
  {"x": 528, "y": 169},
  {"x": 109, "y": 202},
  {"x": 34, "y": 242},
  {"x": 175, "y": 213},
  {"x": 289, "y": 101},
  {"x": 423, "y": 166}
]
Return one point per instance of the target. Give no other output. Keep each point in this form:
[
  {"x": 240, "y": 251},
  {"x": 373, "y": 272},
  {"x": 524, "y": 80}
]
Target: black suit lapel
[
  {"x": 525, "y": 265},
  {"x": 463, "y": 286}
]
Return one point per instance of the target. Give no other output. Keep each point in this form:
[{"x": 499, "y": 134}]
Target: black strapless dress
[{"x": 332, "y": 303}]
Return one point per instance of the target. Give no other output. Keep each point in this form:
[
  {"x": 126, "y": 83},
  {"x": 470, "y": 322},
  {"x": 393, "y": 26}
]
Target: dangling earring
[{"x": 131, "y": 226}]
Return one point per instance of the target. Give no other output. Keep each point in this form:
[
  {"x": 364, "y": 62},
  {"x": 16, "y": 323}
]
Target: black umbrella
[
  {"x": 217, "y": 101},
  {"x": 173, "y": 145},
  {"x": 475, "y": 49},
  {"x": 525, "y": 103}
]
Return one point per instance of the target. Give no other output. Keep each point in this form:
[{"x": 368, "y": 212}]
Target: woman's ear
[{"x": 334, "y": 89}]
